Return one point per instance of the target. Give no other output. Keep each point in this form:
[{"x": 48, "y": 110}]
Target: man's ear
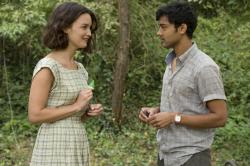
[{"x": 182, "y": 29}]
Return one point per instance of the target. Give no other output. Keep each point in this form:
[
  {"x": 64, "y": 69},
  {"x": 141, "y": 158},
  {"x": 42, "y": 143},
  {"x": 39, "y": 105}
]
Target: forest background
[{"x": 223, "y": 32}]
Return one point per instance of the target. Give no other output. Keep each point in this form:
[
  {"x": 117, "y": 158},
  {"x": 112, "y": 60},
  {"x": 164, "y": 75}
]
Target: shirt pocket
[{"x": 183, "y": 86}]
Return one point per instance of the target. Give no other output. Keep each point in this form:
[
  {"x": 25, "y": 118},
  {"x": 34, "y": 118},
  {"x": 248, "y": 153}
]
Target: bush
[{"x": 223, "y": 36}]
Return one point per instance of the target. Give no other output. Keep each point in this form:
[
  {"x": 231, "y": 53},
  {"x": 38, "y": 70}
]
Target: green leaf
[{"x": 92, "y": 84}]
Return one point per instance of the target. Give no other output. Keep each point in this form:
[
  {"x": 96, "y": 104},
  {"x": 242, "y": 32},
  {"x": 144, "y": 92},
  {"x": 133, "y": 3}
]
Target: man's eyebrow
[{"x": 162, "y": 24}]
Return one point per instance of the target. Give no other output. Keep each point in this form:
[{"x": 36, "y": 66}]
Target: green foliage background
[{"x": 221, "y": 34}]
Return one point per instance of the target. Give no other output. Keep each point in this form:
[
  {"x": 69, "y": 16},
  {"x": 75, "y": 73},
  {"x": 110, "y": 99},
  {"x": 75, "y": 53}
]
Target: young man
[{"x": 192, "y": 99}]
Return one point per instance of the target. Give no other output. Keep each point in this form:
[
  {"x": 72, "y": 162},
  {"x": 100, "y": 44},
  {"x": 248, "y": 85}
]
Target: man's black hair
[{"x": 178, "y": 13}]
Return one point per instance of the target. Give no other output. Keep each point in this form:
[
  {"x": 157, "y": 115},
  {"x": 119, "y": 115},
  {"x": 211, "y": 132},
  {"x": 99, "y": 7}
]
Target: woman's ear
[
  {"x": 66, "y": 30},
  {"x": 182, "y": 28}
]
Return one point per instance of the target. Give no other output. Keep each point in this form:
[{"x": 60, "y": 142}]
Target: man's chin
[{"x": 166, "y": 45}]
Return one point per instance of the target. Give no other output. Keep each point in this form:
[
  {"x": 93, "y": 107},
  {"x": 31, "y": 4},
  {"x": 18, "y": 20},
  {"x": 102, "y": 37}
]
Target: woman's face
[{"x": 80, "y": 32}]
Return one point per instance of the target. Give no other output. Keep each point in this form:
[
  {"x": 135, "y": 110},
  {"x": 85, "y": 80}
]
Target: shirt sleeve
[
  {"x": 210, "y": 85},
  {"x": 51, "y": 66},
  {"x": 84, "y": 71}
]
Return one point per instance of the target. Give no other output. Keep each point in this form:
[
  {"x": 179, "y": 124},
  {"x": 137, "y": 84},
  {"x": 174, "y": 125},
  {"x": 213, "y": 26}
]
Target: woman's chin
[{"x": 82, "y": 46}]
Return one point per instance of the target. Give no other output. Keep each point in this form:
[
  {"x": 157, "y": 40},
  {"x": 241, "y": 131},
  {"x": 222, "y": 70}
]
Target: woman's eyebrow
[{"x": 83, "y": 24}]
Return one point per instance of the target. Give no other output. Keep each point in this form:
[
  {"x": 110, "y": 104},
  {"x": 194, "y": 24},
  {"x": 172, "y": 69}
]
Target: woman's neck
[{"x": 64, "y": 55}]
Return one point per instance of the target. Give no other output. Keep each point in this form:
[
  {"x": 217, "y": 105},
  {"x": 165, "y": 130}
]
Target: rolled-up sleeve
[{"x": 210, "y": 85}]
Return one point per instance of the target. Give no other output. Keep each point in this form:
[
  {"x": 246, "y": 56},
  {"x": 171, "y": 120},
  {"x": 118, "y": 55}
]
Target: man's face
[{"x": 167, "y": 32}]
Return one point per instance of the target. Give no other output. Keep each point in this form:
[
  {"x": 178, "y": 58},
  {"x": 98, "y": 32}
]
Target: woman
[{"x": 59, "y": 95}]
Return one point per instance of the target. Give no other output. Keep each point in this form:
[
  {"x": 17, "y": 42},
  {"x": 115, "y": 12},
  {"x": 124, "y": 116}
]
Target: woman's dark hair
[
  {"x": 63, "y": 17},
  {"x": 178, "y": 13}
]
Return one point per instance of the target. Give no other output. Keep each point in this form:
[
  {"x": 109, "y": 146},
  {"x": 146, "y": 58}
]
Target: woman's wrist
[{"x": 76, "y": 108}]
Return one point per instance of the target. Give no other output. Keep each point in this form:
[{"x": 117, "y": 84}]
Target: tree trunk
[{"x": 122, "y": 61}]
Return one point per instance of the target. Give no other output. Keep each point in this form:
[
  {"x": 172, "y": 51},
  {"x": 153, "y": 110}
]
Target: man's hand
[
  {"x": 162, "y": 119},
  {"x": 147, "y": 112}
]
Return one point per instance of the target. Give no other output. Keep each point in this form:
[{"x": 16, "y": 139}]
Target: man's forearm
[{"x": 210, "y": 120}]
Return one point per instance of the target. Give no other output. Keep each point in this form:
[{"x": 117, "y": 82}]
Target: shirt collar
[
  {"x": 169, "y": 58},
  {"x": 190, "y": 52}
]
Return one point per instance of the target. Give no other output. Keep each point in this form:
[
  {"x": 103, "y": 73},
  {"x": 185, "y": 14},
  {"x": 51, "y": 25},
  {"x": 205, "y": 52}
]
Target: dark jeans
[{"x": 202, "y": 158}]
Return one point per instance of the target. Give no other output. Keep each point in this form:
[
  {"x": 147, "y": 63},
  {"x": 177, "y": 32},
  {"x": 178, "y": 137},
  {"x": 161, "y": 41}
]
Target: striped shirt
[{"x": 195, "y": 81}]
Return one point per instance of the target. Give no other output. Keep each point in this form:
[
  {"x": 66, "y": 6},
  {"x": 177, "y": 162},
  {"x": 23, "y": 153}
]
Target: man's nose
[{"x": 159, "y": 33}]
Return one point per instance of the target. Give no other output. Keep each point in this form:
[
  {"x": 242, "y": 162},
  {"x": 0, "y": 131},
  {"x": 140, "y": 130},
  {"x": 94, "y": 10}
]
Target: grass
[
  {"x": 135, "y": 145},
  {"x": 129, "y": 147}
]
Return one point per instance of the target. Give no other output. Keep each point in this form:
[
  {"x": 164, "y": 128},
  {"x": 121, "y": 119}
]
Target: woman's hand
[
  {"x": 83, "y": 99},
  {"x": 95, "y": 110}
]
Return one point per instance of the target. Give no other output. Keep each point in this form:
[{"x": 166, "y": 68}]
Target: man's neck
[{"x": 182, "y": 47}]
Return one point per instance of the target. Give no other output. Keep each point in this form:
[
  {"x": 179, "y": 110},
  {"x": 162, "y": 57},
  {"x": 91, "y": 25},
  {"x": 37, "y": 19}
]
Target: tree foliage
[{"x": 220, "y": 33}]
